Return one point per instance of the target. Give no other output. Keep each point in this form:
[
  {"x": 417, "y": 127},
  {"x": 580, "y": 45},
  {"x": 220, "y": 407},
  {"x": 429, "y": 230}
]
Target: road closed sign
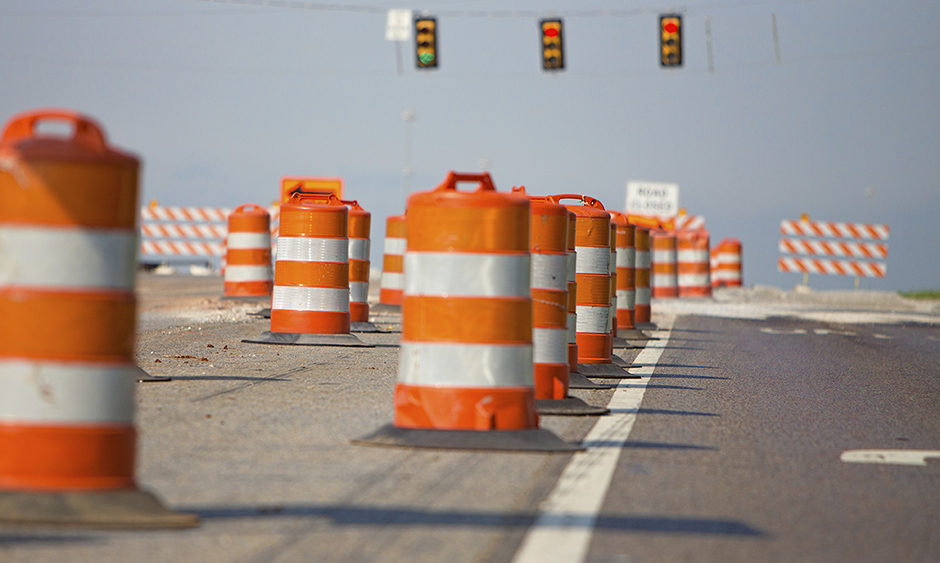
[{"x": 652, "y": 199}]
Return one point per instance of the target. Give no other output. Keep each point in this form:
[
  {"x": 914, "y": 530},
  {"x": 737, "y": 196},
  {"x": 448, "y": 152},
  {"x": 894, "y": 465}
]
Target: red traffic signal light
[
  {"x": 553, "y": 53},
  {"x": 670, "y": 40}
]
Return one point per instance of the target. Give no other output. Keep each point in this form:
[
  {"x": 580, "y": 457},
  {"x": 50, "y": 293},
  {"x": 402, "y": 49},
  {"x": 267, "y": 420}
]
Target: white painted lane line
[
  {"x": 838, "y": 332},
  {"x": 565, "y": 525},
  {"x": 889, "y": 457},
  {"x": 882, "y": 336},
  {"x": 783, "y": 331}
]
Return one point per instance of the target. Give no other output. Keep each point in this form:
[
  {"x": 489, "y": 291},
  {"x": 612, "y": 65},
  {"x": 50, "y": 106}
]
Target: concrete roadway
[{"x": 734, "y": 456}]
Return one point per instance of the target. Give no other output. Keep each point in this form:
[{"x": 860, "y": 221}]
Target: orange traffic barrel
[
  {"x": 612, "y": 267},
  {"x": 642, "y": 307},
  {"x": 576, "y": 380},
  {"x": 626, "y": 282},
  {"x": 592, "y": 274},
  {"x": 465, "y": 372},
  {"x": 310, "y": 301},
  {"x": 247, "y": 262},
  {"x": 625, "y": 259},
  {"x": 393, "y": 278},
  {"x": 693, "y": 264},
  {"x": 68, "y": 216},
  {"x": 663, "y": 264},
  {"x": 548, "y": 247},
  {"x": 572, "y": 293},
  {"x": 359, "y": 228},
  {"x": 728, "y": 260}
]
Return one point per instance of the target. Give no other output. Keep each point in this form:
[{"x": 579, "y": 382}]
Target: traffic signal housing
[
  {"x": 426, "y": 42},
  {"x": 670, "y": 40},
  {"x": 553, "y": 53}
]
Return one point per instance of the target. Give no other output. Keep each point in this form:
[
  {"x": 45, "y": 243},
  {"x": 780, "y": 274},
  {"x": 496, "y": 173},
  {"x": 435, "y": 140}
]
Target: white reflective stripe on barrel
[
  {"x": 626, "y": 299},
  {"x": 248, "y": 241},
  {"x": 248, "y": 273},
  {"x": 466, "y": 274},
  {"x": 393, "y": 280},
  {"x": 550, "y": 345},
  {"x": 297, "y": 298},
  {"x": 467, "y": 365},
  {"x": 693, "y": 280},
  {"x": 626, "y": 257},
  {"x": 359, "y": 249},
  {"x": 592, "y": 260},
  {"x": 309, "y": 249},
  {"x": 593, "y": 319},
  {"x": 663, "y": 256},
  {"x": 395, "y": 245},
  {"x": 692, "y": 256},
  {"x": 642, "y": 259},
  {"x": 41, "y": 391},
  {"x": 67, "y": 258},
  {"x": 550, "y": 271},
  {"x": 729, "y": 258},
  {"x": 358, "y": 292},
  {"x": 643, "y": 295},
  {"x": 572, "y": 266},
  {"x": 572, "y": 328},
  {"x": 727, "y": 275},
  {"x": 664, "y": 280}
]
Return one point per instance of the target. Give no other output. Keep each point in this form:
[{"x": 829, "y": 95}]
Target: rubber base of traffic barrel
[
  {"x": 91, "y": 509},
  {"x": 362, "y": 326},
  {"x": 618, "y": 361},
  {"x": 609, "y": 371},
  {"x": 144, "y": 377},
  {"x": 646, "y": 326},
  {"x": 263, "y": 313},
  {"x": 303, "y": 339},
  {"x": 569, "y": 406},
  {"x": 632, "y": 334},
  {"x": 578, "y": 381},
  {"x": 623, "y": 344},
  {"x": 531, "y": 440}
]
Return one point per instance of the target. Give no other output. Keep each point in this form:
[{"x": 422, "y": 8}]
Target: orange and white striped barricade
[
  {"x": 728, "y": 259},
  {"x": 692, "y": 257},
  {"x": 548, "y": 247},
  {"x": 68, "y": 214},
  {"x": 863, "y": 254},
  {"x": 393, "y": 262},
  {"x": 592, "y": 272},
  {"x": 465, "y": 373},
  {"x": 684, "y": 222},
  {"x": 360, "y": 223},
  {"x": 248, "y": 271},
  {"x": 183, "y": 233},
  {"x": 663, "y": 267},
  {"x": 643, "y": 309},
  {"x": 310, "y": 301}
]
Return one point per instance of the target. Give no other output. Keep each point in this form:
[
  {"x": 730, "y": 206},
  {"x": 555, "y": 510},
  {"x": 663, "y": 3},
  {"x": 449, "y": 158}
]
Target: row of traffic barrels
[{"x": 683, "y": 265}]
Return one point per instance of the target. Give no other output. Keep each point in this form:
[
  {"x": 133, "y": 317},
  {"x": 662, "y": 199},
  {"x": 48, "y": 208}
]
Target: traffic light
[
  {"x": 553, "y": 54},
  {"x": 670, "y": 37},
  {"x": 426, "y": 42}
]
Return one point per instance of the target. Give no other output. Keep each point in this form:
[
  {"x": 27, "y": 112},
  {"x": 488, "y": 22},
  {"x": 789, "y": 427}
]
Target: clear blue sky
[{"x": 221, "y": 100}]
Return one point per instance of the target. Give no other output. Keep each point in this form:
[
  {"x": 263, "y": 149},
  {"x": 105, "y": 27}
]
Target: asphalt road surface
[{"x": 733, "y": 452}]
